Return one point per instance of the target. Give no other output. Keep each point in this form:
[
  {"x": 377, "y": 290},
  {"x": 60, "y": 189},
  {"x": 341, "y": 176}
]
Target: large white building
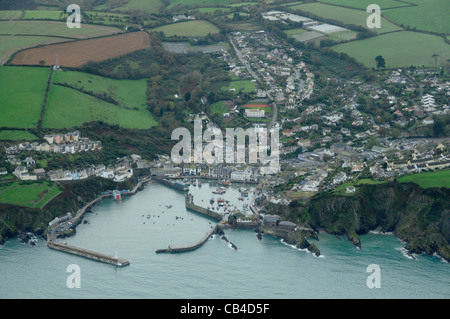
[
  {"x": 428, "y": 101},
  {"x": 241, "y": 175},
  {"x": 254, "y": 113}
]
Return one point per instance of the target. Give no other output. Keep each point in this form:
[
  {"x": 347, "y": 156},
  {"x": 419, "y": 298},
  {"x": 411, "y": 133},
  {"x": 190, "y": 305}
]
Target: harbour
[
  {"x": 52, "y": 232},
  {"x": 265, "y": 268}
]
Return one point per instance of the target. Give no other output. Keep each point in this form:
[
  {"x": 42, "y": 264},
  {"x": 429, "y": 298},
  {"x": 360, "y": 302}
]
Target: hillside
[{"x": 417, "y": 216}]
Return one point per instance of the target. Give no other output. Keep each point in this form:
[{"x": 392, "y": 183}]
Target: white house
[{"x": 350, "y": 189}]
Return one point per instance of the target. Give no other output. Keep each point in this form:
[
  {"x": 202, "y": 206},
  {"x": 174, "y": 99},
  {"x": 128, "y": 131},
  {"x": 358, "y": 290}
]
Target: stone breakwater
[
  {"x": 181, "y": 249},
  {"x": 88, "y": 254}
]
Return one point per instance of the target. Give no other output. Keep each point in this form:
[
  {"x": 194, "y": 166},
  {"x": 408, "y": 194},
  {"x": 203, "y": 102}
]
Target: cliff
[{"x": 420, "y": 217}]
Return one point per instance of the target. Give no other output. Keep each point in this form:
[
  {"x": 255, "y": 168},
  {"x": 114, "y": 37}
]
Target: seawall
[
  {"x": 88, "y": 254},
  {"x": 208, "y": 212},
  {"x": 181, "y": 249}
]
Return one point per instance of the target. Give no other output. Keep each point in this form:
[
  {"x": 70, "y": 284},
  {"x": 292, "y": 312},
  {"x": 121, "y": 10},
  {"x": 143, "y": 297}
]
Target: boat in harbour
[{"x": 219, "y": 190}]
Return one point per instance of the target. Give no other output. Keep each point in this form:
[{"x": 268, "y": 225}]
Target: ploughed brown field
[{"x": 76, "y": 54}]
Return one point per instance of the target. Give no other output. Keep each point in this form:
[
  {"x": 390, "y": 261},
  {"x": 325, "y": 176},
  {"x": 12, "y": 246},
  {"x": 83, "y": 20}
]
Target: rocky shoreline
[
  {"x": 419, "y": 217},
  {"x": 298, "y": 238}
]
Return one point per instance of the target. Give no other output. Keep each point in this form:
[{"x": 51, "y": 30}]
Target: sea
[{"x": 137, "y": 226}]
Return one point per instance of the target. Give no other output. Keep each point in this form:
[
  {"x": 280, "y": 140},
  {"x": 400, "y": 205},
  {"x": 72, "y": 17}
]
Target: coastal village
[
  {"x": 249, "y": 149},
  {"x": 323, "y": 145},
  {"x": 334, "y": 133}
]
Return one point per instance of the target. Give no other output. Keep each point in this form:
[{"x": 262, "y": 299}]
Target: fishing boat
[
  {"x": 211, "y": 200},
  {"x": 219, "y": 190}
]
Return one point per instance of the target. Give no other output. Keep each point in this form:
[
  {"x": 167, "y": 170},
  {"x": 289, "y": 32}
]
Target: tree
[
  {"x": 395, "y": 133},
  {"x": 435, "y": 56},
  {"x": 439, "y": 128},
  {"x": 380, "y": 62}
]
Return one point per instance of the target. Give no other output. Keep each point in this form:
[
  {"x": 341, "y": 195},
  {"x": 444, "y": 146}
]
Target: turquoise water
[{"x": 257, "y": 269}]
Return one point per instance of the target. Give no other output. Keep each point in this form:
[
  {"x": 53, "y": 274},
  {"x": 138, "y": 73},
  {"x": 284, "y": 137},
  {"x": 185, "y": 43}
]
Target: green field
[
  {"x": 147, "y": 6},
  {"x": 218, "y": 107},
  {"x": 244, "y": 26},
  {"x": 10, "y": 14},
  {"x": 45, "y": 15},
  {"x": 342, "y": 189},
  {"x": 195, "y": 28},
  {"x": 295, "y": 31},
  {"x": 428, "y": 179},
  {"x": 108, "y": 18},
  {"x": 14, "y": 135},
  {"x": 362, "y": 4},
  {"x": 68, "y": 107},
  {"x": 344, "y": 15},
  {"x": 399, "y": 49},
  {"x": 29, "y": 194},
  {"x": 244, "y": 85},
  {"x": 128, "y": 93},
  {"x": 21, "y": 95},
  {"x": 342, "y": 35},
  {"x": 54, "y": 28},
  {"x": 212, "y": 10},
  {"x": 200, "y": 3},
  {"x": 431, "y": 15}
]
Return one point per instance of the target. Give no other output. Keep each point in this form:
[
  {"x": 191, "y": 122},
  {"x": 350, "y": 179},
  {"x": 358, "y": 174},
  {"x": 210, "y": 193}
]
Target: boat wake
[
  {"x": 406, "y": 253},
  {"x": 300, "y": 249},
  {"x": 378, "y": 232}
]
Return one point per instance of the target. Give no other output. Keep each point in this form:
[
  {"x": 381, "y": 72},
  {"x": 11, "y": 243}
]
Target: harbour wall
[
  {"x": 181, "y": 249},
  {"x": 208, "y": 212},
  {"x": 88, "y": 254}
]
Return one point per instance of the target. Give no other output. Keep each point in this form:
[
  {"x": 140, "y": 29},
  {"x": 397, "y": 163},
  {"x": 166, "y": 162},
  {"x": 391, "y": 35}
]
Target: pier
[
  {"x": 189, "y": 201},
  {"x": 181, "y": 249},
  {"x": 88, "y": 254}
]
